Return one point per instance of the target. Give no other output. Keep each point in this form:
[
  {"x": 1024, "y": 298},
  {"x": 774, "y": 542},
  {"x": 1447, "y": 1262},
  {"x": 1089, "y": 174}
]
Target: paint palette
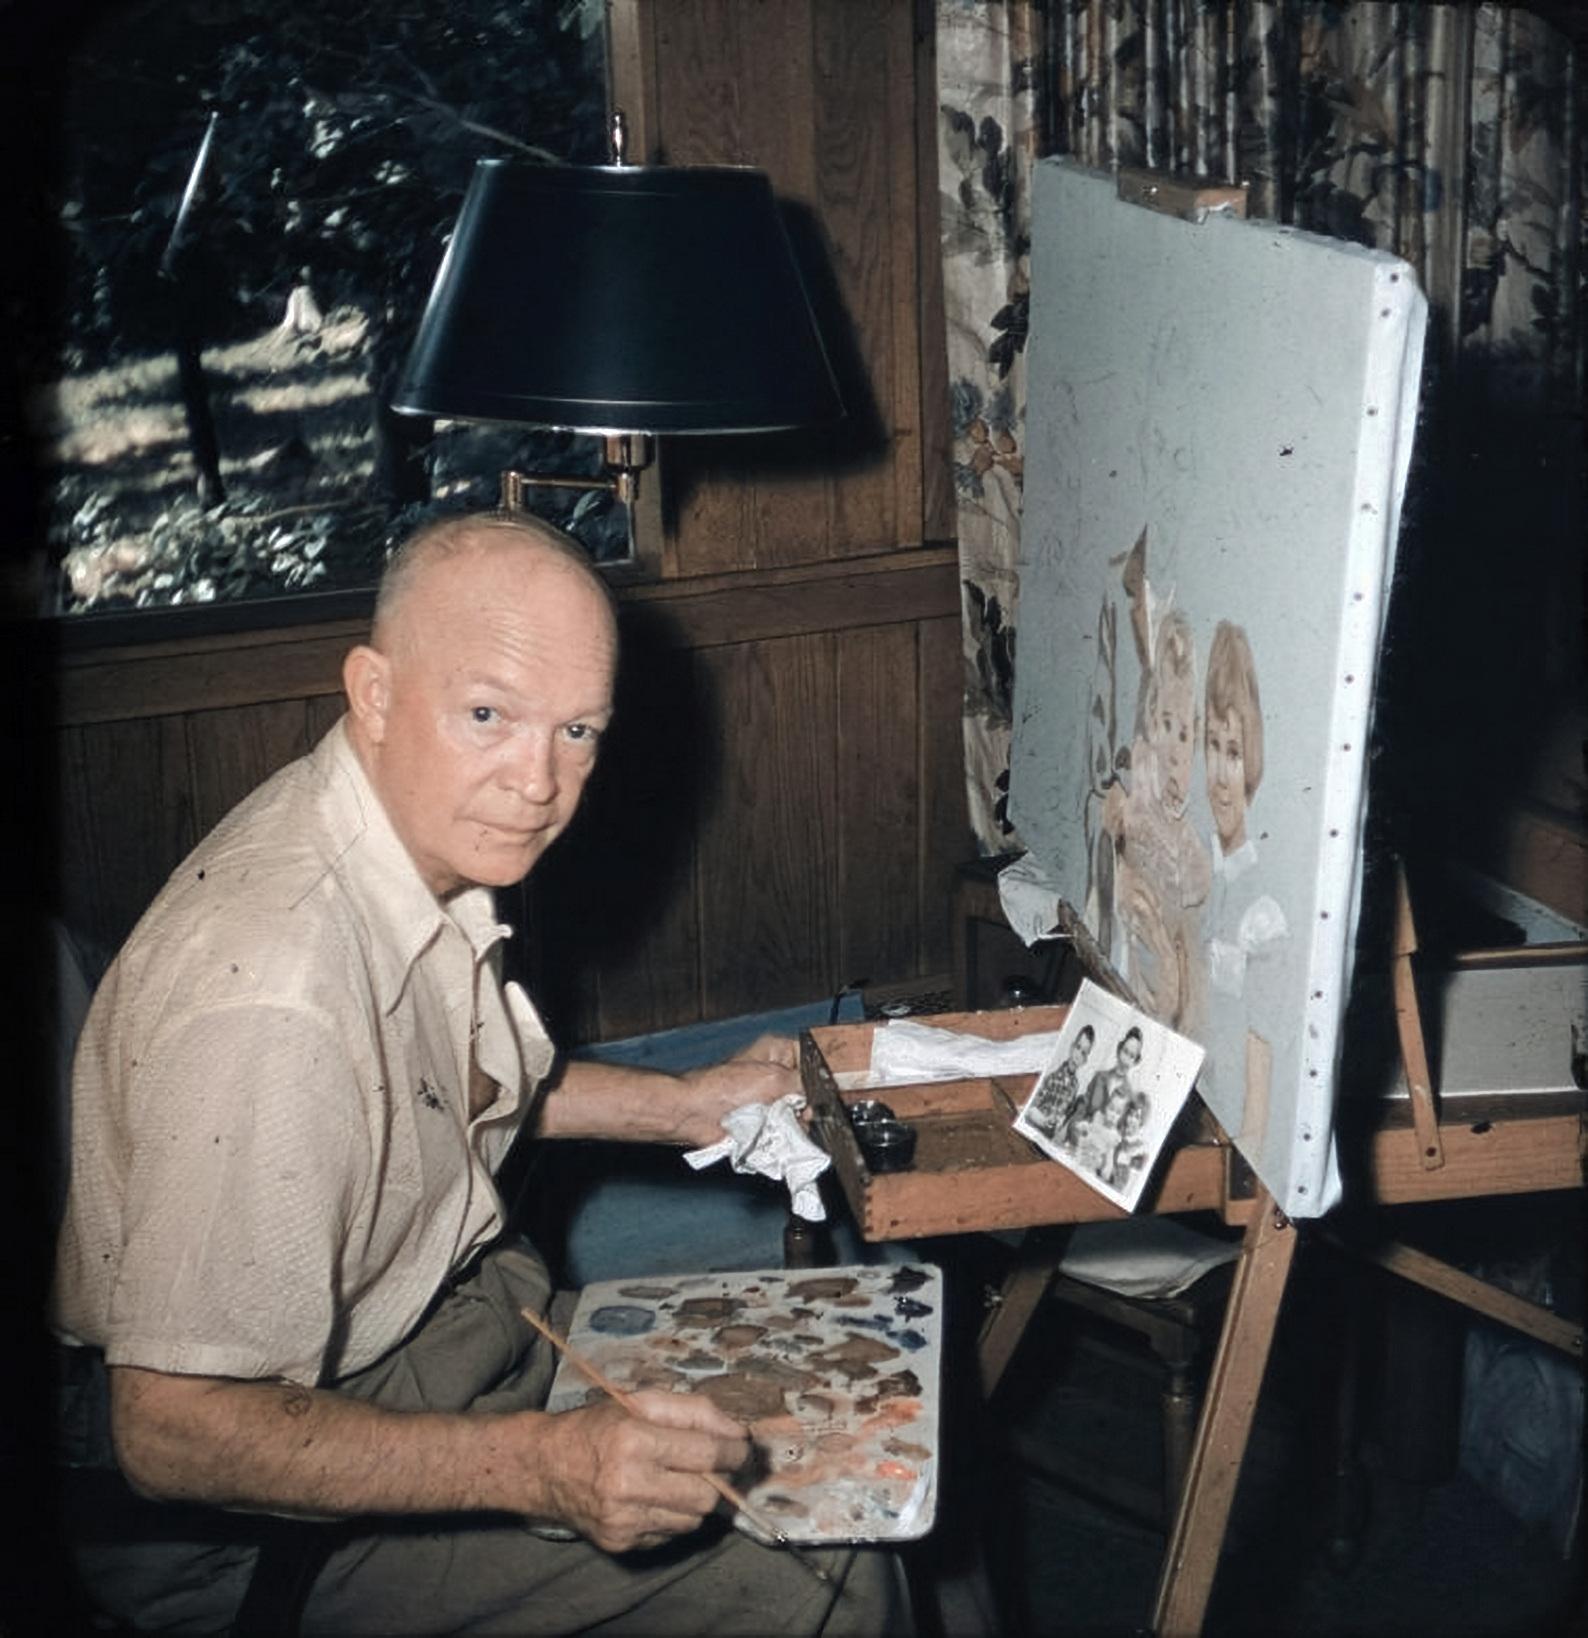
[{"x": 834, "y": 1371}]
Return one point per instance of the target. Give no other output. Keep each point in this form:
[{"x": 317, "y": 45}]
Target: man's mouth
[{"x": 519, "y": 834}]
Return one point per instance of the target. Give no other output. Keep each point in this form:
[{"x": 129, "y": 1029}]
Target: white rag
[
  {"x": 768, "y": 1140},
  {"x": 908, "y": 1052},
  {"x": 1029, "y": 898}
]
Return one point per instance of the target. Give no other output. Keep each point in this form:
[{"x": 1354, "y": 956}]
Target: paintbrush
[{"x": 734, "y": 1498}]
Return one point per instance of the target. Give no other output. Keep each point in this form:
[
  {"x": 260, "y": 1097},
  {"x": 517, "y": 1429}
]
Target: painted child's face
[
  {"x": 1225, "y": 752},
  {"x": 1172, "y": 732}
]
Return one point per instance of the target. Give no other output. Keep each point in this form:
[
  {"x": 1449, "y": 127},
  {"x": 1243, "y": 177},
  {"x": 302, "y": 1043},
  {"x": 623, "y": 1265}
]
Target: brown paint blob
[
  {"x": 896, "y": 1386},
  {"x": 907, "y": 1447},
  {"x": 774, "y": 1370},
  {"x": 825, "y": 1289},
  {"x": 695, "y": 1311},
  {"x": 744, "y": 1397},
  {"x": 658, "y": 1376},
  {"x": 738, "y": 1336},
  {"x": 856, "y": 1351}
]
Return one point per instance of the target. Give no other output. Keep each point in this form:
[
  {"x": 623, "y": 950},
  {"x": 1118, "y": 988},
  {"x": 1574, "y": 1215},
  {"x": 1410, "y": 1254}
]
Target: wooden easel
[
  {"x": 1411, "y": 1153},
  {"x": 1521, "y": 1144},
  {"x": 1528, "y": 1144}
]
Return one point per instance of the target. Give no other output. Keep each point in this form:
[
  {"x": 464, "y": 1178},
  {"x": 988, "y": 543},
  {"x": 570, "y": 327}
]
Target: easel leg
[
  {"x": 1179, "y": 1431},
  {"x": 1226, "y": 1422},
  {"x": 1036, "y": 1262}
]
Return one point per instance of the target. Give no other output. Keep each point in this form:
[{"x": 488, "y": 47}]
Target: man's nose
[{"x": 531, "y": 767}]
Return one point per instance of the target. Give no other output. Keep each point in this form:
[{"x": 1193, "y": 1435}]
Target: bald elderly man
[{"x": 284, "y": 1267}]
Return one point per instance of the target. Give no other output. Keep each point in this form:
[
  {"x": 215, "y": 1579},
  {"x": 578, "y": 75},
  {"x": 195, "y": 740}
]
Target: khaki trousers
[{"x": 492, "y": 1574}]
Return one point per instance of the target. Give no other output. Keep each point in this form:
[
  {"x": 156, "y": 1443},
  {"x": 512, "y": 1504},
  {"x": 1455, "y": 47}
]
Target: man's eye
[
  {"x": 583, "y": 732},
  {"x": 482, "y": 714}
]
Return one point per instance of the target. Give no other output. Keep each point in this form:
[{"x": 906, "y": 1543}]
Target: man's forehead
[{"x": 496, "y": 582}]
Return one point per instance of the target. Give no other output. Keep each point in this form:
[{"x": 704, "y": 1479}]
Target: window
[{"x": 253, "y": 199}]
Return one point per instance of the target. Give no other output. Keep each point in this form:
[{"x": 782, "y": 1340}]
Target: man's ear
[{"x": 366, "y": 677}]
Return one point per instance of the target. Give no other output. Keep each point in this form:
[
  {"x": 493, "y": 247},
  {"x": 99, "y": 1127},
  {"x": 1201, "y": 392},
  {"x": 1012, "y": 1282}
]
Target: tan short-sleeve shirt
[{"x": 273, "y": 1162}]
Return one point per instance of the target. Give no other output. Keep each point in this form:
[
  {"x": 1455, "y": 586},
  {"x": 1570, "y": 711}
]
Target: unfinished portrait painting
[{"x": 1220, "y": 421}]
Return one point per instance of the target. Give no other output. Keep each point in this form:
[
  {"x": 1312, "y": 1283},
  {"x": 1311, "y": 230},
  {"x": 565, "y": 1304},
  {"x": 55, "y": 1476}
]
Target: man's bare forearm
[
  {"x": 280, "y": 1447},
  {"x": 615, "y": 1101},
  {"x": 623, "y": 1476}
]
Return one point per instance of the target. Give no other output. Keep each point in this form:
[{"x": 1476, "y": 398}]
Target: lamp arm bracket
[{"x": 619, "y": 481}]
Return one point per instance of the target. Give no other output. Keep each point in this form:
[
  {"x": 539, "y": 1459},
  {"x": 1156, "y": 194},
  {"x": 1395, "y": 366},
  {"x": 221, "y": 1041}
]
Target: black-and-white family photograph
[{"x": 1105, "y": 1101}]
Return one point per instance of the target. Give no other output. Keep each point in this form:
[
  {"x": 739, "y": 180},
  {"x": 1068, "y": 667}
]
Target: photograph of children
[{"x": 1104, "y": 1104}]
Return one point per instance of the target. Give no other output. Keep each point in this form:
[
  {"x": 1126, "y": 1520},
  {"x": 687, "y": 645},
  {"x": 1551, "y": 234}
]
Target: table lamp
[{"x": 621, "y": 301}]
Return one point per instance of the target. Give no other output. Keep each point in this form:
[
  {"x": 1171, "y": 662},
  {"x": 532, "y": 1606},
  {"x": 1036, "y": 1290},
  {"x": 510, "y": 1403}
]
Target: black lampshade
[{"x": 619, "y": 299}]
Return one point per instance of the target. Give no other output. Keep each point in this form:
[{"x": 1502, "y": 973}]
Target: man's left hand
[{"x": 762, "y": 1072}]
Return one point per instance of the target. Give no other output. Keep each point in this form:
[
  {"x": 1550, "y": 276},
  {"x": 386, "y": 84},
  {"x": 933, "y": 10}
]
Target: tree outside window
[{"x": 253, "y": 197}]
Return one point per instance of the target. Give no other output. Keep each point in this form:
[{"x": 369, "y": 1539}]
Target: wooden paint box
[{"x": 971, "y": 1171}]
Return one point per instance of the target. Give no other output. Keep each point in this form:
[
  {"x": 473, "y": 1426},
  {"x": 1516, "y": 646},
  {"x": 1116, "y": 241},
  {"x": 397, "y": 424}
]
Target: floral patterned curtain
[{"x": 1449, "y": 134}]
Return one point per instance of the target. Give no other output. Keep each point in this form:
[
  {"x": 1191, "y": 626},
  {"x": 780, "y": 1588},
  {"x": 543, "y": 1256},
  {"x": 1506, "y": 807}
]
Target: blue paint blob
[
  {"x": 622, "y": 1320},
  {"x": 910, "y": 1308},
  {"x": 871, "y": 1322},
  {"x": 909, "y": 1339}
]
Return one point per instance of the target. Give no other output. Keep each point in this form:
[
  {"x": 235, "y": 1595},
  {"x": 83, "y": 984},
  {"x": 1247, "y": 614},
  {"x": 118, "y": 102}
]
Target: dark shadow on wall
[
  {"x": 597, "y": 897},
  {"x": 1485, "y": 662},
  {"x": 856, "y": 443}
]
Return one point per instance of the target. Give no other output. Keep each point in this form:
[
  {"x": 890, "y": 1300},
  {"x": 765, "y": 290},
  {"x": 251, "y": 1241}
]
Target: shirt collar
[
  {"x": 403, "y": 915},
  {"x": 1232, "y": 866}
]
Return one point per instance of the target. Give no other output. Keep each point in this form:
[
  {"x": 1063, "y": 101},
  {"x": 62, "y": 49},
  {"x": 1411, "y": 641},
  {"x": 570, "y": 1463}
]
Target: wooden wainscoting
[{"x": 779, "y": 810}]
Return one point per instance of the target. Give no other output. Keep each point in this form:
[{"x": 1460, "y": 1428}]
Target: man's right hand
[{"x": 624, "y": 1481}]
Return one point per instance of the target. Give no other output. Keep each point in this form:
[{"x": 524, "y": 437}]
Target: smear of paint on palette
[
  {"x": 622, "y": 1320},
  {"x": 835, "y": 1374}
]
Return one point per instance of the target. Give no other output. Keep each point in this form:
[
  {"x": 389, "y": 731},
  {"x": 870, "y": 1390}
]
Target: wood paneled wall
[
  {"x": 836, "y": 101},
  {"x": 781, "y": 803},
  {"x": 778, "y": 811},
  {"x": 777, "y": 818}
]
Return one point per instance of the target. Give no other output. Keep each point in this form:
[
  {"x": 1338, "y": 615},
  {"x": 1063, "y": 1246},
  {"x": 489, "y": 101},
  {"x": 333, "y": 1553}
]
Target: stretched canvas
[{"x": 1219, "y": 425}]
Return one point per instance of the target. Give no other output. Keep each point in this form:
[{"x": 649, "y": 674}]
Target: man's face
[
  {"x": 1225, "y": 753},
  {"x": 1172, "y": 731},
  {"x": 498, "y": 687}
]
